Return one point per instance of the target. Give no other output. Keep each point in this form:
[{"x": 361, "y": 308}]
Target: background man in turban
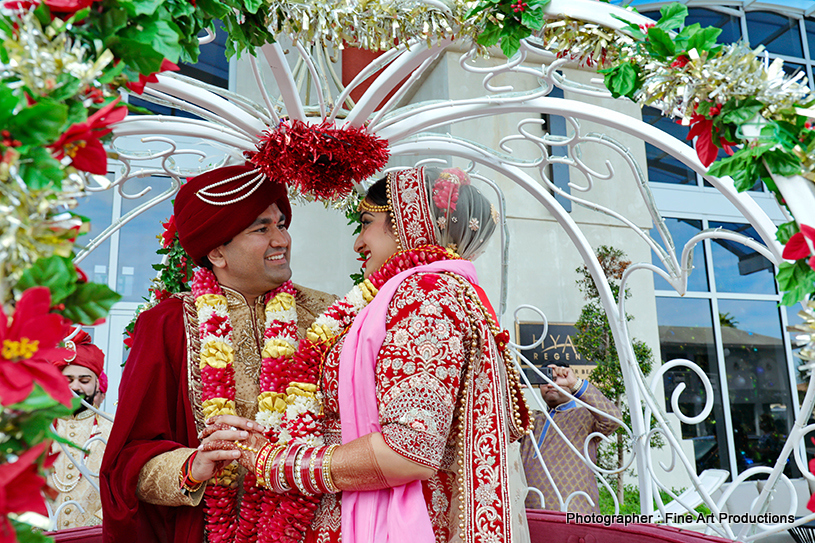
[
  {"x": 76, "y": 474},
  {"x": 233, "y": 221}
]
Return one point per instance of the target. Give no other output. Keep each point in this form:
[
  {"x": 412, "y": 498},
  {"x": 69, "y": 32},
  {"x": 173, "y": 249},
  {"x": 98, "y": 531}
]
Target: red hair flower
[
  {"x": 29, "y": 345},
  {"x": 81, "y": 141},
  {"x": 445, "y": 189}
]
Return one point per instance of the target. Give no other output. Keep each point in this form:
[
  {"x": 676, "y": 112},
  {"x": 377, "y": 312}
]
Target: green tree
[{"x": 595, "y": 343}]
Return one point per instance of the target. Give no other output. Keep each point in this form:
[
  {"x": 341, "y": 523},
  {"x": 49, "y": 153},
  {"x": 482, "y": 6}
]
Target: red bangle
[
  {"x": 319, "y": 470},
  {"x": 187, "y": 482},
  {"x": 260, "y": 463},
  {"x": 270, "y": 469},
  {"x": 307, "y": 471},
  {"x": 290, "y": 468}
]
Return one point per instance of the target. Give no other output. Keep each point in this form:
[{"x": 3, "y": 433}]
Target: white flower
[
  {"x": 332, "y": 324},
  {"x": 401, "y": 337},
  {"x": 211, "y": 338},
  {"x": 474, "y": 226},
  {"x": 288, "y": 315},
  {"x": 269, "y": 419},
  {"x": 355, "y": 298}
]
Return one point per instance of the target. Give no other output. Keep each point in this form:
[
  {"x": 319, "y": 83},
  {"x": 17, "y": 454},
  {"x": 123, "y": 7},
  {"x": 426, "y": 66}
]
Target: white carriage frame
[{"x": 234, "y": 121}]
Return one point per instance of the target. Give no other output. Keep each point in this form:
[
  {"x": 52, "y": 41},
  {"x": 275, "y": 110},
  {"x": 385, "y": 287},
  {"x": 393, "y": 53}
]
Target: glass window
[
  {"x": 681, "y": 231},
  {"x": 730, "y": 24},
  {"x": 686, "y": 331},
  {"x": 96, "y": 206},
  {"x": 778, "y": 33},
  {"x": 137, "y": 241},
  {"x": 212, "y": 66},
  {"x": 757, "y": 380},
  {"x": 809, "y": 24},
  {"x": 655, "y": 15},
  {"x": 792, "y": 69},
  {"x": 738, "y": 268},
  {"x": 662, "y": 167}
]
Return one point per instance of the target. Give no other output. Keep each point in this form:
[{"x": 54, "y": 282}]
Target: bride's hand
[{"x": 228, "y": 432}]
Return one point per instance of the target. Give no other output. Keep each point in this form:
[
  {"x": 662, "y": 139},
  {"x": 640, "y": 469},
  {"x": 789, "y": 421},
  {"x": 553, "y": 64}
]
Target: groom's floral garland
[
  {"x": 289, "y": 402},
  {"x": 218, "y": 396}
]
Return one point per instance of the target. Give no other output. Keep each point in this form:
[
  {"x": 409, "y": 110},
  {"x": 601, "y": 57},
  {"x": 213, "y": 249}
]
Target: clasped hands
[
  {"x": 227, "y": 438},
  {"x": 281, "y": 468}
]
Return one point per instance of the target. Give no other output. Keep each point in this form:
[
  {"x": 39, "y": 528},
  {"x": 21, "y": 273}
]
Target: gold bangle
[
  {"x": 245, "y": 447},
  {"x": 328, "y": 481},
  {"x": 269, "y": 465}
]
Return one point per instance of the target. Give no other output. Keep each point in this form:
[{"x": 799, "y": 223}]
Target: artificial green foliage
[
  {"x": 78, "y": 301},
  {"x": 352, "y": 214},
  {"x": 89, "y": 303},
  {"x": 28, "y": 423},
  {"x": 796, "y": 280},
  {"x": 508, "y": 22},
  {"x": 786, "y": 231},
  {"x": 55, "y": 272},
  {"x": 595, "y": 342},
  {"x": 623, "y": 79},
  {"x": 28, "y": 534}
]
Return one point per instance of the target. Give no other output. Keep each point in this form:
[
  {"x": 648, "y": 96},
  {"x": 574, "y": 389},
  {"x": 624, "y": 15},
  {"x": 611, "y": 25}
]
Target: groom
[{"x": 233, "y": 221}]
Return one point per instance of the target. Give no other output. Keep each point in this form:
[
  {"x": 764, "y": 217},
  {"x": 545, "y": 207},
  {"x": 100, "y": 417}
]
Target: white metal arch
[{"x": 235, "y": 122}]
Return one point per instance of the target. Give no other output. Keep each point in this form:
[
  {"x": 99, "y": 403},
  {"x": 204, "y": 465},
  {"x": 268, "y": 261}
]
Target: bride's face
[{"x": 376, "y": 240}]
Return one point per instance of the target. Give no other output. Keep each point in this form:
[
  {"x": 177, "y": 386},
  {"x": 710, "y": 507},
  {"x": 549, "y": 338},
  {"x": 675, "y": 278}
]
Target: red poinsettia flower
[
  {"x": 170, "y": 230},
  {"x": 81, "y": 141},
  {"x": 703, "y": 130},
  {"x": 160, "y": 294},
  {"x": 138, "y": 86},
  {"x": 21, "y": 488},
  {"x": 28, "y": 346},
  {"x": 798, "y": 247}
]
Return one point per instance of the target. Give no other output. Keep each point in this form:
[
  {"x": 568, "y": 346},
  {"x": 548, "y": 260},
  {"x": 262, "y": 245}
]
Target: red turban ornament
[
  {"x": 86, "y": 354},
  {"x": 214, "y": 207}
]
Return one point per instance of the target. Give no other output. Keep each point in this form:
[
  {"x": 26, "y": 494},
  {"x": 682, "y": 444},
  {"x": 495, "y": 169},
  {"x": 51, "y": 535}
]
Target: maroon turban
[
  {"x": 87, "y": 355},
  {"x": 203, "y": 225}
]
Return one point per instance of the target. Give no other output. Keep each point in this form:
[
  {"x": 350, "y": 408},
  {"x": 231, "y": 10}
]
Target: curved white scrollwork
[{"x": 308, "y": 89}]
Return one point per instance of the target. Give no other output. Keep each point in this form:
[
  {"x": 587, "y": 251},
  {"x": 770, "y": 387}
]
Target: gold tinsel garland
[
  {"x": 38, "y": 56},
  {"x": 805, "y": 339},
  {"x": 736, "y": 72},
  {"x": 374, "y": 24},
  {"x": 35, "y": 222}
]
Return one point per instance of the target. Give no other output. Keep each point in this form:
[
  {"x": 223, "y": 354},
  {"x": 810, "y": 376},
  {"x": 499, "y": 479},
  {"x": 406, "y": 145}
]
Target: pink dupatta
[{"x": 390, "y": 515}]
